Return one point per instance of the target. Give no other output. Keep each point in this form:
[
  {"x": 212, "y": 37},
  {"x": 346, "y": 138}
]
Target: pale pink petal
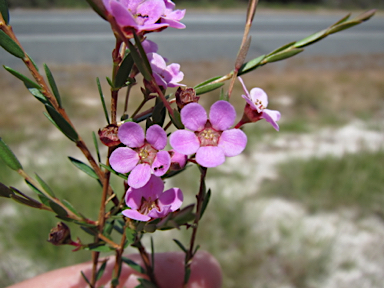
[
  {"x": 271, "y": 116},
  {"x": 161, "y": 163},
  {"x": 133, "y": 198},
  {"x": 172, "y": 23},
  {"x": 222, "y": 115},
  {"x": 157, "y": 137},
  {"x": 244, "y": 88},
  {"x": 136, "y": 215},
  {"x": 131, "y": 134},
  {"x": 210, "y": 156},
  {"x": 153, "y": 188},
  {"x": 154, "y": 213},
  {"x": 184, "y": 142},
  {"x": 139, "y": 176},
  {"x": 232, "y": 142},
  {"x": 123, "y": 159},
  {"x": 149, "y": 46},
  {"x": 194, "y": 116},
  {"x": 172, "y": 197},
  {"x": 258, "y": 95},
  {"x": 151, "y": 10}
]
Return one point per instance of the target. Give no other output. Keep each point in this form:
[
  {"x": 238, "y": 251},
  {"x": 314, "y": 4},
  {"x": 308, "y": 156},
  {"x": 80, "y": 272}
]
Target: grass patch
[{"x": 330, "y": 183}]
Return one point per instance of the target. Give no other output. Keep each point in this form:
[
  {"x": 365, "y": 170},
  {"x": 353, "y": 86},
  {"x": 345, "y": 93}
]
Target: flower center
[
  {"x": 147, "y": 205},
  {"x": 208, "y": 137},
  {"x": 259, "y": 104},
  {"x": 147, "y": 153}
]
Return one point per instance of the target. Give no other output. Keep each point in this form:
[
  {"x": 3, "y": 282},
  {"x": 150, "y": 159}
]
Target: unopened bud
[
  {"x": 185, "y": 96},
  {"x": 60, "y": 235},
  {"x": 178, "y": 160},
  {"x": 108, "y": 135}
]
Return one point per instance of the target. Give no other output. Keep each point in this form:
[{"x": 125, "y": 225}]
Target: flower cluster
[{"x": 144, "y": 16}]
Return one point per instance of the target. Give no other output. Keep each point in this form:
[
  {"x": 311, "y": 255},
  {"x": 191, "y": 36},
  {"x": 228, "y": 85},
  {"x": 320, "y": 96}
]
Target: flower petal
[
  {"x": 131, "y": 134},
  {"x": 194, "y": 116},
  {"x": 122, "y": 15},
  {"x": 123, "y": 159},
  {"x": 210, "y": 156},
  {"x": 136, "y": 215},
  {"x": 172, "y": 197},
  {"x": 133, "y": 198},
  {"x": 258, "y": 95},
  {"x": 161, "y": 163},
  {"x": 151, "y": 10},
  {"x": 164, "y": 210},
  {"x": 157, "y": 137},
  {"x": 271, "y": 116},
  {"x": 139, "y": 176},
  {"x": 222, "y": 115},
  {"x": 183, "y": 141},
  {"x": 232, "y": 142},
  {"x": 244, "y": 88}
]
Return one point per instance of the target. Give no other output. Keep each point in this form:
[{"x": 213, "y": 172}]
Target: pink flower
[
  {"x": 142, "y": 156},
  {"x": 212, "y": 139},
  {"x": 144, "y": 16},
  {"x": 258, "y": 102},
  {"x": 165, "y": 76},
  {"x": 150, "y": 201}
]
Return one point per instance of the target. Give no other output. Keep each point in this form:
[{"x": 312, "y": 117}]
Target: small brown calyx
[
  {"x": 185, "y": 96},
  {"x": 108, "y": 135}
]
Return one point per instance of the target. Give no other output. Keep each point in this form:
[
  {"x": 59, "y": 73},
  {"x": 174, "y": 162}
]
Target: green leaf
[
  {"x": 283, "y": 55},
  {"x": 5, "y": 191},
  {"x": 176, "y": 119},
  {"x": 53, "y": 85},
  {"x": 208, "y": 88},
  {"x": 187, "y": 274},
  {"x": 39, "y": 96},
  {"x": 8, "y": 157},
  {"x": 45, "y": 186},
  {"x": 70, "y": 207},
  {"x": 86, "y": 279},
  {"x": 25, "y": 201},
  {"x": 144, "y": 283},
  {"x": 98, "y": 7},
  {"x": 102, "y": 100},
  {"x": 123, "y": 72},
  {"x": 281, "y": 48},
  {"x": 223, "y": 96},
  {"x": 27, "y": 82},
  {"x": 10, "y": 46},
  {"x": 342, "y": 27},
  {"x": 147, "y": 74},
  {"x": 100, "y": 248},
  {"x": 96, "y": 146},
  {"x": 310, "y": 39},
  {"x": 159, "y": 112},
  {"x": 207, "y": 82},
  {"x": 130, "y": 235},
  {"x": 250, "y": 65},
  {"x": 205, "y": 203},
  {"x": 60, "y": 211},
  {"x": 133, "y": 265},
  {"x": 143, "y": 55},
  {"x": 62, "y": 124},
  {"x": 33, "y": 62},
  {"x": 101, "y": 270},
  {"x": 84, "y": 167},
  {"x": 4, "y": 11},
  {"x": 181, "y": 246}
]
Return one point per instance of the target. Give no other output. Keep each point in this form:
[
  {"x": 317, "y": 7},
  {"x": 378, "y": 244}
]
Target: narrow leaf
[
  {"x": 102, "y": 100},
  {"x": 101, "y": 270},
  {"x": 53, "y": 85},
  {"x": 5, "y": 191},
  {"x": 143, "y": 55},
  {"x": 60, "y": 211},
  {"x": 113, "y": 171},
  {"x": 250, "y": 65},
  {"x": 342, "y": 27},
  {"x": 98, "y": 7},
  {"x": 187, "y": 274},
  {"x": 39, "y": 96},
  {"x": 159, "y": 112},
  {"x": 101, "y": 248},
  {"x": 283, "y": 55},
  {"x": 8, "y": 157},
  {"x": 130, "y": 235},
  {"x": 207, "y": 82},
  {"x": 70, "y": 207},
  {"x": 181, "y": 246},
  {"x": 205, "y": 203},
  {"x": 345, "y": 18},
  {"x": 176, "y": 119},
  {"x": 86, "y": 279},
  {"x": 62, "y": 124},
  {"x": 133, "y": 265},
  {"x": 208, "y": 88},
  {"x": 310, "y": 39},
  {"x": 139, "y": 62},
  {"x": 4, "y": 11},
  {"x": 242, "y": 54},
  {"x": 25, "y": 201},
  {"x": 10, "y": 46},
  {"x": 281, "y": 48},
  {"x": 84, "y": 167},
  {"x": 27, "y": 82},
  {"x": 45, "y": 186},
  {"x": 96, "y": 146},
  {"x": 123, "y": 72}
]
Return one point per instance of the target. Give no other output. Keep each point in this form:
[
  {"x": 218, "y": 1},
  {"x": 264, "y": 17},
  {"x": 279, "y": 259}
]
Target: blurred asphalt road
[{"x": 66, "y": 37}]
